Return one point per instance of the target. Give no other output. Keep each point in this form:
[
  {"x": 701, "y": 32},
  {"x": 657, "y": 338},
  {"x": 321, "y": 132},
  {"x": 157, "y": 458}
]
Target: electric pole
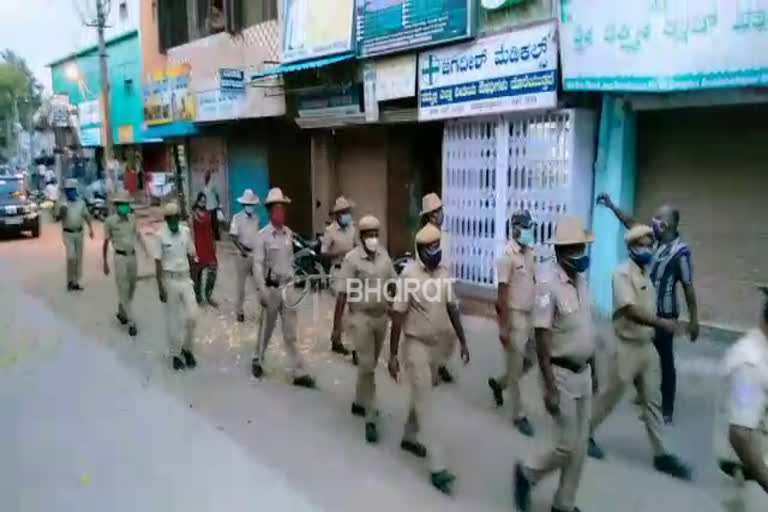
[{"x": 102, "y": 11}]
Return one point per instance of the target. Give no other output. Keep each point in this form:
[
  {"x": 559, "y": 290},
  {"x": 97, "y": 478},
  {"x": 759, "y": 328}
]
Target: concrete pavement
[{"x": 307, "y": 439}]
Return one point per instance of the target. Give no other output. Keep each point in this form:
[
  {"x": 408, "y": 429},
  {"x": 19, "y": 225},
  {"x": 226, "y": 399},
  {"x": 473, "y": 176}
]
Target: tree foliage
[{"x": 18, "y": 85}]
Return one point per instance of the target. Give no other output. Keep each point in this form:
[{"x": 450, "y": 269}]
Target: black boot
[
  {"x": 594, "y": 450},
  {"x": 371, "y": 434},
  {"x": 240, "y": 317},
  {"x": 522, "y": 489},
  {"x": 524, "y": 427},
  {"x": 256, "y": 369},
  {"x": 132, "y": 331},
  {"x": 672, "y": 466},
  {"x": 443, "y": 481},
  {"x": 414, "y": 448},
  {"x": 189, "y": 359},
  {"x": 445, "y": 375},
  {"x": 121, "y": 318},
  {"x": 305, "y": 381},
  {"x": 178, "y": 364},
  {"x": 339, "y": 348},
  {"x": 498, "y": 395},
  {"x": 358, "y": 410}
]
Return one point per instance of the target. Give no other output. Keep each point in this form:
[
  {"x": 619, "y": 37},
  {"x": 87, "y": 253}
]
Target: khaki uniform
[
  {"x": 563, "y": 307},
  {"x": 122, "y": 233},
  {"x": 517, "y": 269},
  {"x": 72, "y": 224},
  {"x": 337, "y": 242},
  {"x": 273, "y": 260},
  {"x": 636, "y": 359},
  {"x": 743, "y": 402},
  {"x": 173, "y": 251},
  {"x": 426, "y": 324},
  {"x": 367, "y": 320},
  {"x": 246, "y": 229}
]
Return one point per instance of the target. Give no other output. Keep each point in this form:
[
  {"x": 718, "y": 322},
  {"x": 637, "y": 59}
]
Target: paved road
[{"x": 98, "y": 422}]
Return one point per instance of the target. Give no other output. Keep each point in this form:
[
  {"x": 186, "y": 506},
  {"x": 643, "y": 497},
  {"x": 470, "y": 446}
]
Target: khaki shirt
[
  {"x": 517, "y": 269},
  {"x": 632, "y": 287},
  {"x": 245, "y": 228},
  {"x": 77, "y": 214},
  {"x": 121, "y": 232},
  {"x": 563, "y": 307},
  {"x": 273, "y": 252},
  {"x": 364, "y": 279},
  {"x": 174, "y": 250},
  {"x": 337, "y": 242},
  {"x": 425, "y": 307},
  {"x": 743, "y": 398}
]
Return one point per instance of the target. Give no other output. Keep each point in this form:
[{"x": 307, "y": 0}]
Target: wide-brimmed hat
[
  {"x": 276, "y": 196},
  {"x": 171, "y": 209},
  {"x": 368, "y": 223},
  {"x": 430, "y": 203},
  {"x": 637, "y": 232},
  {"x": 341, "y": 204},
  {"x": 429, "y": 234},
  {"x": 122, "y": 196},
  {"x": 570, "y": 231},
  {"x": 70, "y": 183},
  {"x": 248, "y": 197}
]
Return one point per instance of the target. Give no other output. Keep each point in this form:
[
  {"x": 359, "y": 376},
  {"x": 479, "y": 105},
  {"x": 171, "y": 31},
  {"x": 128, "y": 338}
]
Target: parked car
[{"x": 18, "y": 212}]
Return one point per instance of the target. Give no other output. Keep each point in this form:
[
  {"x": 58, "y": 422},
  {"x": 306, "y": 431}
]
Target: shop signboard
[
  {"x": 232, "y": 80},
  {"x": 330, "y": 101},
  {"x": 388, "y": 26},
  {"x": 167, "y": 97},
  {"x": 663, "y": 45},
  {"x": 506, "y": 72},
  {"x": 217, "y": 105},
  {"x": 89, "y": 117},
  {"x": 314, "y": 28}
]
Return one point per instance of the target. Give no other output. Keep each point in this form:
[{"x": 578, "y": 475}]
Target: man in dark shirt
[{"x": 671, "y": 265}]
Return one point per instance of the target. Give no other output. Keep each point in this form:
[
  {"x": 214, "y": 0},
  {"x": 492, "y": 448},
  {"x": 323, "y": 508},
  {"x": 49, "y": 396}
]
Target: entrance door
[{"x": 248, "y": 169}]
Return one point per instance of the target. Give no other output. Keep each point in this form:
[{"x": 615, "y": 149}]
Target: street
[{"x": 95, "y": 420}]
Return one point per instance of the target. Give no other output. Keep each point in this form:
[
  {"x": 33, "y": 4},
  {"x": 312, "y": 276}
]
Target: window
[
  {"x": 258, "y": 11},
  {"x": 210, "y": 17},
  {"x": 172, "y": 23}
]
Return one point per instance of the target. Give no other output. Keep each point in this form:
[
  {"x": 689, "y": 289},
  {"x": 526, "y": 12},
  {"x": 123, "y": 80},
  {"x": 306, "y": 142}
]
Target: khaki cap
[
  {"x": 570, "y": 231},
  {"x": 368, "y": 223},
  {"x": 275, "y": 195},
  {"x": 170, "y": 209},
  {"x": 429, "y": 234},
  {"x": 341, "y": 204},
  {"x": 248, "y": 197},
  {"x": 70, "y": 183},
  {"x": 637, "y": 232},
  {"x": 122, "y": 197},
  {"x": 430, "y": 203}
]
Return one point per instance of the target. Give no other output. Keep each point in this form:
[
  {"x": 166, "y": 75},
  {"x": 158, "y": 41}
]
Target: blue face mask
[
  {"x": 71, "y": 194},
  {"x": 345, "y": 219},
  {"x": 431, "y": 257},
  {"x": 526, "y": 237},
  {"x": 577, "y": 263},
  {"x": 641, "y": 255}
]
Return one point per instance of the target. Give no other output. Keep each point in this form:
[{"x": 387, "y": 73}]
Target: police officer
[
  {"x": 426, "y": 311},
  {"x": 273, "y": 272},
  {"x": 73, "y": 214},
  {"x": 120, "y": 229},
  {"x": 339, "y": 238},
  {"x": 634, "y": 320},
  {"x": 515, "y": 305},
  {"x": 244, "y": 230},
  {"x": 565, "y": 345},
  {"x": 742, "y": 421},
  {"x": 174, "y": 256},
  {"x": 365, "y": 274}
]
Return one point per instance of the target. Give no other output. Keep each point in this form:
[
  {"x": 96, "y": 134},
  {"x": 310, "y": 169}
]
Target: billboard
[
  {"x": 167, "y": 97},
  {"x": 313, "y": 28}
]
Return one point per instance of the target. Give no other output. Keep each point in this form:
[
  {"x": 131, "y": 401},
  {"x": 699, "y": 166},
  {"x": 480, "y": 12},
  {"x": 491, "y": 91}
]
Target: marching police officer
[
  {"x": 339, "y": 238},
  {"x": 73, "y": 214},
  {"x": 244, "y": 230}
]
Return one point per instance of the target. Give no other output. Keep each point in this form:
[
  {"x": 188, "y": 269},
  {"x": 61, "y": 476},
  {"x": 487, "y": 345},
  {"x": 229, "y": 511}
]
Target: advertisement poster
[
  {"x": 89, "y": 115},
  {"x": 663, "y": 45},
  {"x": 167, "y": 98},
  {"x": 502, "y": 73},
  {"x": 314, "y": 28},
  {"x": 387, "y": 26}
]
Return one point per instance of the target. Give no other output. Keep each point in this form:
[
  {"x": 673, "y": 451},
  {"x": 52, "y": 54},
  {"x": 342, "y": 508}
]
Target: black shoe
[
  {"x": 575, "y": 509},
  {"x": 594, "y": 450},
  {"x": 69, "y": 287},
  {"x": 354, "y": 357},
  {"x": 443, "y": 481},
  {"x": 414, "y": 448},
  {"x": 358, "y": 410},
  {"x": 240, "y": 317},
  {"x": 211, "y": 302},
  {"x": 672, "y": 466},
  {"x": 199, "y": 300},
  {"x": 339, "y": 348},
  {"x": 76, "y": 287},
  {"x": 524, "y": 427},
  {"x": 668, "y": 419},
  {"x": 445, "y": 375},
  {"x": 132, "y": 331},
  {"x": 371, "y": 434},
  {"x": 121, "y": 318},
  {"x": 522, "y": 489},
  {"x": 178, "y": 364},
  {"x": 305, "y": 381},
  {"x": 498, "y": 396},
  {"x": 256, "y": 369},
  {"x": 189, "y": 359}
]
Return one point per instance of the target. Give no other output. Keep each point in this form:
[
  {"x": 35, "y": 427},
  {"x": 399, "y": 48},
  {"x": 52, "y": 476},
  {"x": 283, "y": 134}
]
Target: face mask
[
  {"x": 248, "y": 210},
  {"x": 578, "y": 264},
  {"x": 345, "y": 219},
  {"x": 371, "y": 244},
  {"x": 123, "y": 209},
  {"x": 173, "y": 225},
  {"x": 71, "y": 194},
  {"x": 641, "y": 255},
  {"x": 431, "y": 257},
  {"x": 526, "y": 237},
  {"x": 277, "y": 217},
  {"x": 658, "y": 230}
]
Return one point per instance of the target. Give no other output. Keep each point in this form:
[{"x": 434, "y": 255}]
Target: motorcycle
[
  {"x": 97, "y": 207},
  {"x": 401, "y": 262},
  {"x": 308, "y": 263}
]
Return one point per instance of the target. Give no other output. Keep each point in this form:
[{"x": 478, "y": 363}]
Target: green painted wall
[{"x": 125, "y": 77}]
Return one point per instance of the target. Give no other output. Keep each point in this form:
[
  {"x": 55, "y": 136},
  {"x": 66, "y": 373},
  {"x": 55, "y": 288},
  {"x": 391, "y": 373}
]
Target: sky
[{"x": 42, "y": 31}]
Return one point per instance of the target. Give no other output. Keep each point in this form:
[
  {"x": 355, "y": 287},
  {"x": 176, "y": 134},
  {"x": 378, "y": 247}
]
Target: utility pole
[{"x": 102, "y": 10}]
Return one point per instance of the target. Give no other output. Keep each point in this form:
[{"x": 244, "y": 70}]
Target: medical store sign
[{"x": 501, "y": 73}]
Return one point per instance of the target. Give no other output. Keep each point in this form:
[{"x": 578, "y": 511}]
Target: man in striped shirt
[{"x": 671, "y": 265}]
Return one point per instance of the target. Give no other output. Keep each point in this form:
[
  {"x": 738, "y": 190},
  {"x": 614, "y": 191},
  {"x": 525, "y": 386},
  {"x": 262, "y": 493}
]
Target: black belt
[
  {"x": 566, "y": 363},
  {"x": 731, "y": 469},
  {"x": 124, "y": 253},
  {"x": 66, "y": 230},
  {"x": 337, "y": 265}
]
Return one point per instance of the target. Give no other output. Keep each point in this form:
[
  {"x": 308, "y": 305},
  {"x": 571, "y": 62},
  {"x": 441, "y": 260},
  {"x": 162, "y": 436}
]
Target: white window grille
[{"x": 495, "y": 166}]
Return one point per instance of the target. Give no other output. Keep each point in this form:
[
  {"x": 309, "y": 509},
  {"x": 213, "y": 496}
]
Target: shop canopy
[{"x": 301, "y": 66}]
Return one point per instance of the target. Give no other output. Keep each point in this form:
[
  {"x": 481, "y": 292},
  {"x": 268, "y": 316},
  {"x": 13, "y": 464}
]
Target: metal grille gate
[{"x": 494, "y": 166}]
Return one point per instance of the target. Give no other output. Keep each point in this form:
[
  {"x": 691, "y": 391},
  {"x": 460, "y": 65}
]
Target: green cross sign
[{"x": 431, "y": 68}]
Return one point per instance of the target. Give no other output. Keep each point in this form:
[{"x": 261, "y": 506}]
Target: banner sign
[
  {"x": 387, "y": 26},
  {"x": 314, "y": 28},
  {"x": 232, "y": 80},
  {"x": 330, "y": 101},
  {"x": 167, "y": 98},
  {"x": 663, "y": 45},
  {"x": 501, "y": 73},
  {"x": 218, "y": 105}
]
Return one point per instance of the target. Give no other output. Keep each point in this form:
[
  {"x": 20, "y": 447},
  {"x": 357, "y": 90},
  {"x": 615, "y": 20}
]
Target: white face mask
[
  {"x": 371, "y": 244},
  {"x": 248, "y": 209}
]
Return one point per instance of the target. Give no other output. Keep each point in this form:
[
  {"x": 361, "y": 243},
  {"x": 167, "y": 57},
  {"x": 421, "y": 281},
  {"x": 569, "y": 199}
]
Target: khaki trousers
[
  {"x": 571, "y": 437},
  {"x": 73, "y": 247},
  {"x": 636, "y": 363},
  {"x": 519, "y": 333},
  {"x": 244, "y": 269},
  {"x": 741, "y": 496},
  {"x": 367, "y": 332},
  {"x": 180, "y": 312},
  {"x": 125, "y": 278},
  {"x": 418, "y": 363},
  {"x": 275, "y": 306}
]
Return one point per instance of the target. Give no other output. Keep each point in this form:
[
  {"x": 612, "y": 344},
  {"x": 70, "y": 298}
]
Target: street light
[{"x": 71, "y": 72}]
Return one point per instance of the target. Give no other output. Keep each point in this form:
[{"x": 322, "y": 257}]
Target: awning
[{"x": 300, "y": 66}]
